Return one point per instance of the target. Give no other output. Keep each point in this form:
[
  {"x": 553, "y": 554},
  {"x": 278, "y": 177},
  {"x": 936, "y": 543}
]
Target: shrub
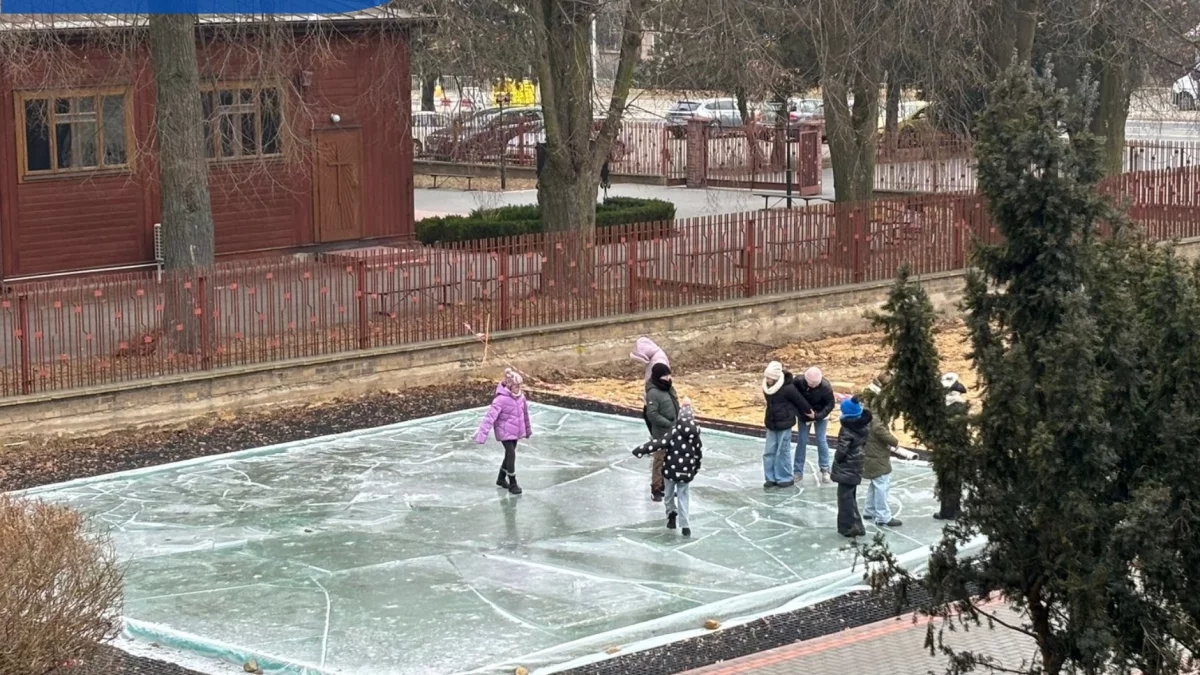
[
  {"x": 508, "y": 221},
  {"x": 60, "y": 588}
]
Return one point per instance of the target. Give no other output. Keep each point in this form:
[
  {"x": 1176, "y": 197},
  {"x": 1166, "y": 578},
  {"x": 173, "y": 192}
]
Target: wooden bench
[
  {"x": 780, "y": 196},
  {"x": 447, "y": 176}
]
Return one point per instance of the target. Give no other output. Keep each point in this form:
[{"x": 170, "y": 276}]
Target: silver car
[
  {"x": 425, "y": 122},
  {"x": 716, "y": 112}
]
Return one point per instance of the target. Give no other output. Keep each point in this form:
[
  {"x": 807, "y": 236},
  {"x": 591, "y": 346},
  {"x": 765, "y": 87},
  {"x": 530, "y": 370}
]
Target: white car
[
  {"x": 1186, "y": 90},
  {"x": 425, "y": 122}
]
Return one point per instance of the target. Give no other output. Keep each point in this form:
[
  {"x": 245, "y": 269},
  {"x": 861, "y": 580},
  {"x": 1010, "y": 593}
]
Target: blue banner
[{"x": 143, "y": 7}]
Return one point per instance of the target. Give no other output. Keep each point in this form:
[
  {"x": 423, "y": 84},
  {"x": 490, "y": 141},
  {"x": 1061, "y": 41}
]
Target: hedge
[{"x": 508, "y": 221}]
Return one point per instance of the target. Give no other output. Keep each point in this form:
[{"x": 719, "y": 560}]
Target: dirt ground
[{"x": 728, "y": 386}]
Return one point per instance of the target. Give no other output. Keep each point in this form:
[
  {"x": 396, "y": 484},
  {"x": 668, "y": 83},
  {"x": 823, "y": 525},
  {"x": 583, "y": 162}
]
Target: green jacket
[
  {"x": 879, "y": 450},
  {"x": 662, "y": 409}
]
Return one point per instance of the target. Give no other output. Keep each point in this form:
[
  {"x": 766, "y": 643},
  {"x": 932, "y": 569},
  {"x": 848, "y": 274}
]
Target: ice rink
[{"x": 391, "y": 550}]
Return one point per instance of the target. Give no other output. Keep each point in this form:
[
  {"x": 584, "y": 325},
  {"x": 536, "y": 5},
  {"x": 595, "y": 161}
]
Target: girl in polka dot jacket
[{"x": 680, "y": 465}]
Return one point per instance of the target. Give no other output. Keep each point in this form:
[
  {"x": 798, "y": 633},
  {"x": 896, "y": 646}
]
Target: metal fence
[
  {"x": 70, "y": 333},
  {"x": 489, "y": 137}
]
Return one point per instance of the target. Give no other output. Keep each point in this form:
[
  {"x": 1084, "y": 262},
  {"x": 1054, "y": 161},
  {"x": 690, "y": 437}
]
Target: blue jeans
[
  {"x": 777, "y": 457},
  {"x": 877, "y": 510},
  {"x": 822, "y": 445}
]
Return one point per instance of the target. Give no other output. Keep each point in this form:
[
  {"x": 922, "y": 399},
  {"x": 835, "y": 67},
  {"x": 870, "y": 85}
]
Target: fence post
[
  {"x": 23, "y": 324},
  {"x": 205, "y": 352},
  {"x": 665, "y": 156},
  {"x": 360, "y": 293},
  {"x": 502, "y": 278},
  {"x": 748, "y": 258},
  {"x": 631, "y": 263},
  {"x": 861, "y": 246}
]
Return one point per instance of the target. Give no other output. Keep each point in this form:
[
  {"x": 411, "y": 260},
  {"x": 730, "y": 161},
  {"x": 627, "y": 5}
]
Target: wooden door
[{"x": 337, "y": 185}]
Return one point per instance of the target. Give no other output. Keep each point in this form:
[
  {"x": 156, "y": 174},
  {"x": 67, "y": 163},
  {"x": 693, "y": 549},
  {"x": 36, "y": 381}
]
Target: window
[
  {"x": 76, "y": 131},
  {"x": 242, "y": 122}
]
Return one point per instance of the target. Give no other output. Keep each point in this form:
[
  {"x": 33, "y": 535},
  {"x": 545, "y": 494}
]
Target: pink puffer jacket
[{"x": 509, "y": 416}]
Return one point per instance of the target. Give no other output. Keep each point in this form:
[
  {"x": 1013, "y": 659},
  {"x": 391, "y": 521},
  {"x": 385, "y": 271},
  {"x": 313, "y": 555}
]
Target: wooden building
[{"x": 307, "y": 125}]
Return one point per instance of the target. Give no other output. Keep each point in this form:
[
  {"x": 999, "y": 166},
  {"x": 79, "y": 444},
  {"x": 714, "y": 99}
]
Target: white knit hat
[{"x": 773, "y": 378}]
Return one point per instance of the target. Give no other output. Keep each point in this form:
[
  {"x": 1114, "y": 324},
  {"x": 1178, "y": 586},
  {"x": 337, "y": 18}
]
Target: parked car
[
  {"x": 1186, "y": 90},
  {"x": 483, "y": 135},
  {"x": 424, "y": 123},
  {"x": 523, "y": 148},
  {"x": 717, "y": 112},
  {"x": 799, "y": 110}
]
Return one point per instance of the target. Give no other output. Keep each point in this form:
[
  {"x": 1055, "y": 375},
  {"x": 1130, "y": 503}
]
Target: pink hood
[{"x": 649, "y": 353}]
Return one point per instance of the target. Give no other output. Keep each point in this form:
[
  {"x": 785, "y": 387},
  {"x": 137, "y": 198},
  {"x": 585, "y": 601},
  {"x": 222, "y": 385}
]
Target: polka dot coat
[{"x": 681, "y": 462}]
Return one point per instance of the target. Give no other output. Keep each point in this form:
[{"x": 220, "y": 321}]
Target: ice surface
[{"x": 391, "y": 550}]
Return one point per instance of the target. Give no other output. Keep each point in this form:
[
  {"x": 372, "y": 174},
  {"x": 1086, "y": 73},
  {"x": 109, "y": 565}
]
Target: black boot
[
  {"x": 512, "y": 484},
  {"x": 671, "y": 520},
  {"x": 502, "y": 480}
]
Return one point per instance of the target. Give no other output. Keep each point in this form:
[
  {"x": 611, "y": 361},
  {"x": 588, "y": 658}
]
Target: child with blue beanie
[{"x": 847, "y": 467}]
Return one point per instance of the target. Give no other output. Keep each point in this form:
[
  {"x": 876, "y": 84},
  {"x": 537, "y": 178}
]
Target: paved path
[
  {"x": 892, "y": 647},
  {"x": 688, "y": 202}
]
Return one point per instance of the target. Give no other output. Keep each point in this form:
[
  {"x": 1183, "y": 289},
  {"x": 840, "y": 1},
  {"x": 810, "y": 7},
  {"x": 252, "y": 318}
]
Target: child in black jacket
[{"x": 683, "y": 452}]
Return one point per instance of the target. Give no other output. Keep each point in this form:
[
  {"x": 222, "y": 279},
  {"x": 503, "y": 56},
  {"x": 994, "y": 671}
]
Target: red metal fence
[{"x": 71, "y": 333}]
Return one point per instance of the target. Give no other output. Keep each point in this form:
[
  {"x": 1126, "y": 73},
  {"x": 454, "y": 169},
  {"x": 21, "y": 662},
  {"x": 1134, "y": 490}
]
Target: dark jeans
[
  {"x": 509, "y": 465},
  {"x": 848, "y": 517}
]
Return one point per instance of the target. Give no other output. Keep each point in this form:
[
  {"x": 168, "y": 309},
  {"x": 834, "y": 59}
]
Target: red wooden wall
[{"x": 88, "y": 221}]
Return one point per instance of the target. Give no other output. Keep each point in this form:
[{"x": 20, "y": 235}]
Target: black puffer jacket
[
  {"x": 683, "y": 448},
  {"x": 784, "y": 406},
  {"x": 819, "y": 397},
  {"x": 851, "y": 454}
]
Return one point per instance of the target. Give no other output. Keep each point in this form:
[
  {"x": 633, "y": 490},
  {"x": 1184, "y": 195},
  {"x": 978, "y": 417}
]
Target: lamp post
[
  {"x": 501, "y": 99},
  {"x": 787, "y": 159}
]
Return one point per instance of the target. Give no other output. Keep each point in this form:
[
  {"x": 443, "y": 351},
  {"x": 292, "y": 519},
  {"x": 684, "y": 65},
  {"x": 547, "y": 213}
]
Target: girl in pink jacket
[{"x": 509, "y": 417}]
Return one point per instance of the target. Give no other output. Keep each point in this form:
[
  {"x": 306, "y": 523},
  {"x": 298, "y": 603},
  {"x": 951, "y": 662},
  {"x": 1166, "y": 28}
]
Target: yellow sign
[{"x": 522, "y": 93}]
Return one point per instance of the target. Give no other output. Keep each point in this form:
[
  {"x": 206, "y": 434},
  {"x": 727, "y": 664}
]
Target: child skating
[
  {"x": 683, "y": 452},
  {"x": 509, "y": 417}
]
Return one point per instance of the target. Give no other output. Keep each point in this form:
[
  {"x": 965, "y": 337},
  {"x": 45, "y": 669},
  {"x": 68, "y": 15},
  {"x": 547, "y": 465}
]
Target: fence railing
[{"x": 70, "y": 333}]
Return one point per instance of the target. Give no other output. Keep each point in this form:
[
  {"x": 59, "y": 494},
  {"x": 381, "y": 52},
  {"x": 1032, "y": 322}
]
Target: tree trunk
[
  {"x": 1114, "y": 70},
  {"x": 187, "y": 225},
  {"x": 891, "y": 123},
  {"x": 428, "y": 84},
  {"x": 575, "y": 151},
  {"x": 851, "y": 131},
  {"x": 1012, "y": 25}
]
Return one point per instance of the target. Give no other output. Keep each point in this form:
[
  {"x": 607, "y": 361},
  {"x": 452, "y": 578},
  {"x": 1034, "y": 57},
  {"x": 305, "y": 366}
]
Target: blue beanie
[{"x": 851, "y": 408}]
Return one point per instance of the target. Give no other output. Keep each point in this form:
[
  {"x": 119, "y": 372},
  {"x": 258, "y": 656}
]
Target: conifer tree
[{"x": 1081, "y": 468}]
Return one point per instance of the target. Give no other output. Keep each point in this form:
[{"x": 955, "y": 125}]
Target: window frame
[
  {"x": 21, "y": 96},
  {"x": 213, "y": 131}
]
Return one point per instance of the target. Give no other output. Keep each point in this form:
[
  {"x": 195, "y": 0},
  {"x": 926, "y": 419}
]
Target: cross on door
[{"x": 337, "y": 165}]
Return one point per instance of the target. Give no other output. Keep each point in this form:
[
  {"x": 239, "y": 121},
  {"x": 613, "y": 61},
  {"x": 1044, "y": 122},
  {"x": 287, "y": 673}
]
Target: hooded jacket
[
  {"x": 784, "y": 405},
  {"x": 649, "y": 353},
  {"x": 820, "y": 397},
  {"x": 880, "y": 441},
  {"x": 509, "y": 416},
  {"x": 683, "y": 450},
  {"x": 662, "y": 409},
  {"x": 850, "y": 456}
]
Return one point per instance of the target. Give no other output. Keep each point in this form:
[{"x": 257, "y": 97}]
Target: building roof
[{"x": 84, "y": 22}]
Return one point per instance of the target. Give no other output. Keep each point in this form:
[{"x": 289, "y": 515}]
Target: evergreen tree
[
  {"x": 1081, "y": 468},
  {"x": 915, "y": 390}
]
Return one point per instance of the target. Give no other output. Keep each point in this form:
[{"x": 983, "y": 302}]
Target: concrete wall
[{"x": 563, "y": 348}]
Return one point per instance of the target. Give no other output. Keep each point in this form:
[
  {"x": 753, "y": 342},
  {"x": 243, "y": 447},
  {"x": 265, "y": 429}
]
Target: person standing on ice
[
  {"x": 784, "y": 406},
  {"x": 683, "y": 453},
  {"x": 949, "y": 482},
  {"x": 509, "y": 418},
  {"x": 877, "y": 469},
  {"x": 847, "y": 470},
  {"x": 819, "y": 393},
  {"x": 662, "y": 409}
]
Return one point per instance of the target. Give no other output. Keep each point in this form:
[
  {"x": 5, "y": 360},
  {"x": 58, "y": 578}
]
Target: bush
[
  {"x": 60, "y": 588},
  {"x": 508, "y": 221}
]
